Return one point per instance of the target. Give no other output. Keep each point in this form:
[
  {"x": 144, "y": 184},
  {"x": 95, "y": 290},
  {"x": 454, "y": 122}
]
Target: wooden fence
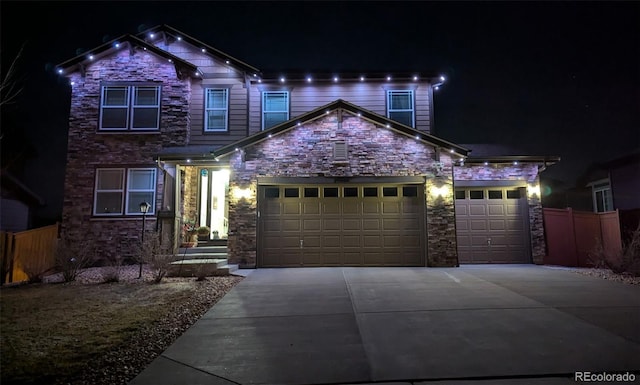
[
  {"x": 27, "y": 252},
  {"x": 573, "y": 236}
]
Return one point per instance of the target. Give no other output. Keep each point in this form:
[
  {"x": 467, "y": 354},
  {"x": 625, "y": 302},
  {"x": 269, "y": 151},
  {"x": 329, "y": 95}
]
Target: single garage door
[
  {"x": 491, "y": 225},
  {"x": 341, "y": 225}
]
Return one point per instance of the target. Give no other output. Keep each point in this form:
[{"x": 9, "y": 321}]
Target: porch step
[
  {"x": 212, "y": 242},
  {"x": 201, "y": 256},
  {"x": 202, "y": 250},
  {"x": 199, "y": 267}
]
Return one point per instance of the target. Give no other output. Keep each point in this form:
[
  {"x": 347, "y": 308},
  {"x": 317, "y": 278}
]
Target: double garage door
[
  {"x": 341, "y": 225},
  {"x": 491, "y": 225}
]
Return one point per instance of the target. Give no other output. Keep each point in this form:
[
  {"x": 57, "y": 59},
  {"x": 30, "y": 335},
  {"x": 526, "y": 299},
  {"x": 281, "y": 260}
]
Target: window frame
[
  {"x": 265, "y": 94},
  {"x": 130, "y": 106},
  {"x": 602, "y": 193},
  {"x": 125, "y": 190},
  {"x": 207, "y": 109},
  {"x": 390, "y": 93}
]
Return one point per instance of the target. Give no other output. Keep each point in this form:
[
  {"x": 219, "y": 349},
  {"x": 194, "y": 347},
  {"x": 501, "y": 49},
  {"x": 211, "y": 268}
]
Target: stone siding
[
  {"x": 307, "y": 151},
  {"x": 526, "y": 172},
  {"x": 89, "y": 149}
]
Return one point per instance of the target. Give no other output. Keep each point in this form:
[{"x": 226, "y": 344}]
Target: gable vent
[{"x": 340, "y": 150}]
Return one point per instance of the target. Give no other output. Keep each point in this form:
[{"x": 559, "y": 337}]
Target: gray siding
[
  {"x": 370, "y": 96},
  {"x": 237, "y": 113}
]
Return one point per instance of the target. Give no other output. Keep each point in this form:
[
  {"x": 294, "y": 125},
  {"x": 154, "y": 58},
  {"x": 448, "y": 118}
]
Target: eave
[
  {"x": 172, "y": 33},
  {"x": 353, "y": 109},
  {"x": 546, "y": 160},
  {"x": 78, "y": 63}
]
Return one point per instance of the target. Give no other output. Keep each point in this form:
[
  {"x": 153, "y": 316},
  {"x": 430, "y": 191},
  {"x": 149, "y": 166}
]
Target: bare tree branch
[{"x": 10, "y": 87}]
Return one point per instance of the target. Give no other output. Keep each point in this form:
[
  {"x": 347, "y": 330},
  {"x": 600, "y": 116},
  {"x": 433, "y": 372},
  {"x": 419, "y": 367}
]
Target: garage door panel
[
  {"x": 390, "y": 207},
  {"x": 500, "y": 220},
  {"x": 371, "y": 241},
  {"x": 494, "y": 209},
  {"x": 351, "y": 241},
  {"x": 311, "y": 224},
  {"x": 331, "y": 207},
  {"x": 497, "y": 224},
  {"x": 291, "y": 208},
  {"x": 372, "y": 226},
  {"x": 475, "y": 225},
  {"x": 310, "y": 208},
  {"x": 370, "y": 207},
  {"x": 351, "y": 224},
  {"x": 291, "y": 225},
  {"x": 331, "y": 224},
  {"x": 350, "y": 206},
  {"x": 477, "y": 210}
]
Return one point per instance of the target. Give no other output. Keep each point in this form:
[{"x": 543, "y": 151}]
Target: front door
[{"x": 213, "y": 205}]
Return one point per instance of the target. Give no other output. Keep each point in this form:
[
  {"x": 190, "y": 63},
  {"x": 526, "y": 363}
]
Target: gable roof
[
  {"x": 373, "y": 117},
  {"x": 500, "y": 153},
  {"x": 12, "y": 188},
  {"x": 167, "y": 33},
  {"x": 183, "y": 68}
]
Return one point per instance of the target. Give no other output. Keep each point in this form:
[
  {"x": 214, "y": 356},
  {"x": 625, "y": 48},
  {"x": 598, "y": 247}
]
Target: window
[
  {"x": 291, "y": 192},
  {"x": 602, "y": 200},
  {"x": 117, "y": 195},
  {"x": 476, "y": 194},
  {"x": 400, "y": 106},
  {"x": 216, "y": 109},
  {"x": 495, "y": 194},
  {"x": 275, "y": 108},
  {"x": 130, "y": 108},
  {"x": 461, "y": 194},
  {"x": 513, "y": 194}
]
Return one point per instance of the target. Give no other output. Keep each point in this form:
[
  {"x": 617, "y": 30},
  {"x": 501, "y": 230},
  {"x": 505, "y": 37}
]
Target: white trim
[
  {"x": 413, "y": 104},
  {"x": 264, "y": 96},
  {"x": 125, "y": 191},
  {"x": 131, "y": 107},
  {"x": 225, "y": 92},
  {"x": 96, "y": 191}
]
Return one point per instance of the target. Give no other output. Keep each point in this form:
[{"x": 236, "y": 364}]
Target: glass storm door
[{"x": 214, "y": 208}]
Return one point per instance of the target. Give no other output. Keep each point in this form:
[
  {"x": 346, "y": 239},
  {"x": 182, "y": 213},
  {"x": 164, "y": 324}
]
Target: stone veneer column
[
  {"x": 243, "y": 215},
  {"x": 442, "y": 247},
  {"x": 536, "y": 225}
]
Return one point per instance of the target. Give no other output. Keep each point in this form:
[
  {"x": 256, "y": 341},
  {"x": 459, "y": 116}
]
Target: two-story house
[{"x": 293, "y": 169}]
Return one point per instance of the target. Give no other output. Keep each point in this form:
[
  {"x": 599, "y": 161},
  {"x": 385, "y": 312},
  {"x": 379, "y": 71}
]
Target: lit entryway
[{"x": 213, "y": 205}]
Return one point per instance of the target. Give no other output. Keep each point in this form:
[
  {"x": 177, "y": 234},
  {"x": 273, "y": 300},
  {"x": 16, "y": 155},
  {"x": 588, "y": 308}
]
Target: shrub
[
  {"x": 627, "y": 261},
  {"x": 73, "y": 257},
  {"x": 157, "y": 256}
]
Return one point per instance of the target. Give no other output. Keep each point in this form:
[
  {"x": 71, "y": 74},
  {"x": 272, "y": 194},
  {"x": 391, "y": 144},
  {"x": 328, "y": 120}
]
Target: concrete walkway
[{"x": 507, "y": 324}]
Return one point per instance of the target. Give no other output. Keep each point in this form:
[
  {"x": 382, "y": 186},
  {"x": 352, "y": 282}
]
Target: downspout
[
  {"x": 247, "y": 84},
  {"x": 432, "y": 128}
]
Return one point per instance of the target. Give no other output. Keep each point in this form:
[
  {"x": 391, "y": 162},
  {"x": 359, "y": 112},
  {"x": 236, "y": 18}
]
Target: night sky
[{"x": 551, "y": 78}]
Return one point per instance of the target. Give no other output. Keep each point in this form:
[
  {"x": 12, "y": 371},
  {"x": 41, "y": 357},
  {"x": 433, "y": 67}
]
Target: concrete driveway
[{"x": 506, "y": 324}]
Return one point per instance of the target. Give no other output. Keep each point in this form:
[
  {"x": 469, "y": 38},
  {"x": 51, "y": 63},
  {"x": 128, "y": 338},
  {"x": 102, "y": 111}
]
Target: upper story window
[
  {"x": 216, "y": 109},
  {"x": 602, "y": 199},
  {"x": 130, "y": 107},
  {"x": 400, "y": 106},
  {"x": 119, "y": 191},
  {"x": 275, "y": 108}
]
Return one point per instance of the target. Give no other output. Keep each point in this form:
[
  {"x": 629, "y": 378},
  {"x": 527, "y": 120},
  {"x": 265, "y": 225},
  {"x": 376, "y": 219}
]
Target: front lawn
[{"x": 96, "y": 333}]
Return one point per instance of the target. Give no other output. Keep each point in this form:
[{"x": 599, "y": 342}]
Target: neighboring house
[
  {"x": 615, "y": 183},
  {"x": 17, "y": 203},
  {"x": 292, "y": 169}
]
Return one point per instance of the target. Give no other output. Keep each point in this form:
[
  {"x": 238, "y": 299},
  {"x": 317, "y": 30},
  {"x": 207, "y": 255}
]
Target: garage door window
[
  {"x": 291, "y": 192},
  {"x": 272, "y": 192},
  {"x": 476, "y": 194},
  {"x": 495, "y": 194},
  {"x": 330, "y": 192},
  {"x": 513, "y": 194},
  {"x": 350, "y": 192},
  {"x": 310, "y": 192},
  {"x": 410, "y": 191},
  {"x": 461, "y": 194},
  {"x": 370, "y": 191},
  {"x": 390, "y": 191}
]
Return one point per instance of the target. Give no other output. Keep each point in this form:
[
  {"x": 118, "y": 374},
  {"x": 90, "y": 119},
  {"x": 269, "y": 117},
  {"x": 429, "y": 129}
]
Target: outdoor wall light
[
  {"x": 533, "y": 191},
  {"x": 440, "y": 191},
  {"x": 241, "y": 193}
]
